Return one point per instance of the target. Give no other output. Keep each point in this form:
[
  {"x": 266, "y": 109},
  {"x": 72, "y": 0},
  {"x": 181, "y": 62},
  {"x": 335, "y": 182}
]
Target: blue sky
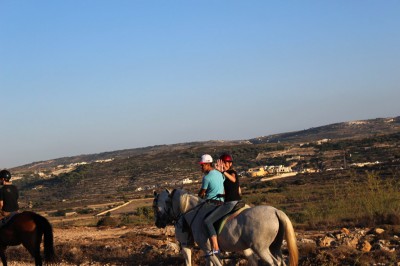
[{"x": 82, "y": 77}]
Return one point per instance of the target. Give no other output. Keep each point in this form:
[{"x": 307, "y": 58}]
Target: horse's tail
[
  {"x": 46, "y": 228},
  {"x": 290, "y": 238}
]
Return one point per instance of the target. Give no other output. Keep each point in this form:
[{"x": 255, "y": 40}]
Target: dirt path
[{"x": 278, "y": 176}]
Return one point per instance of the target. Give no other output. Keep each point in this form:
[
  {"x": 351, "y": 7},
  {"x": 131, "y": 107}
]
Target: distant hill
[
  {"x": 358, "y": 129},
  {"x": 352, "y": 129},
  {"x": 119, "y": 175},
  {"x": 40, "y": 165}
]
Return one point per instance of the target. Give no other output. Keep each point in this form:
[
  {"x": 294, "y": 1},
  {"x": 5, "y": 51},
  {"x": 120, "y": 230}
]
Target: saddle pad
[{"x": 230, "y": 217}]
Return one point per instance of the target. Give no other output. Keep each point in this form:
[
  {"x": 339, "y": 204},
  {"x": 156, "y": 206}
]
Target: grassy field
[{"x": 344, "y": 198}]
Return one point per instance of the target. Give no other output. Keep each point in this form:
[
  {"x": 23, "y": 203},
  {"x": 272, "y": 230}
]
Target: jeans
[{"x": 217, "y": 214}]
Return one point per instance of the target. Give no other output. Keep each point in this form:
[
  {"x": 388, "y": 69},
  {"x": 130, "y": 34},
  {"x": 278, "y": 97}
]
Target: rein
[
  {"x": 199, "y": 205},
  {"x": 173, "y": 216}
]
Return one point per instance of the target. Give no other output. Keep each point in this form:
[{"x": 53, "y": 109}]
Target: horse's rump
[{"x": 219, "y": 225}]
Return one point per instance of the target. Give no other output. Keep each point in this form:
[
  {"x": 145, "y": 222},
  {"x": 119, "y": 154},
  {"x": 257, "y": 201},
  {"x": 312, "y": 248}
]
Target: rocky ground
[{"x": 148, "y": 245}]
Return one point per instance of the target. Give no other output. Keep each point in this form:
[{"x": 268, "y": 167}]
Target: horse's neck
[{"x": 188, "y": 202}]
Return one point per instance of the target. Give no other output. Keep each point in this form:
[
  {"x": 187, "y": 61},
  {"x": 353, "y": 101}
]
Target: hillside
[
  {"x": 352, "y": 129},
  {"x": 41, "y": 165},
  {"x": 131, "y": 173}
]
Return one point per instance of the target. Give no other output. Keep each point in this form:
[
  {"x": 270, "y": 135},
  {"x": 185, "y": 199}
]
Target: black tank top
[{"x": 232, "y": 189}]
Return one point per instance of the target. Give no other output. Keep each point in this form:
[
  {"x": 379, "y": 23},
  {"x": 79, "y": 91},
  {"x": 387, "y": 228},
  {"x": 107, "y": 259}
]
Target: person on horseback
[
  {"x": 8, "y": 195},
  {"x": 232, "y": 197},
  {"x": 212, "y": 186}
]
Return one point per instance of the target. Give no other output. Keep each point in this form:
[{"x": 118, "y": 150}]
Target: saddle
[
  {"x": 7, "y": 219},
  {"x": 239, "y": 207}
]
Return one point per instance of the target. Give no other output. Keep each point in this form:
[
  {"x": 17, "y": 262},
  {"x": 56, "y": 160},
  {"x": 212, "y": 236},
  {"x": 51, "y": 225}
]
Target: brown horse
[{"x": 27, "y": 228}]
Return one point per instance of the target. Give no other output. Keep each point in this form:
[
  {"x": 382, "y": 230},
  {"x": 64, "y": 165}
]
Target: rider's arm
[
  {"x": 1, "y": 205},
  {"x": 231, "y": 176},
  {"x": 202, "y": 193}
]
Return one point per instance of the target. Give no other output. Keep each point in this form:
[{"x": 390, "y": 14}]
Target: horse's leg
[
  {"x": 215, "y": 260},
  {"x": 212, "y": 260},
  {"x": 276, "y": 247},
  {"x": 184, "y": 238},
  {"x": 252, "y": 258},
  {"x": 187, "y": 254},
  {"x": 35, "y": 252},
  {"x": 270, "y": 256},
  {"x": 32, "y": 244},
  {"x": 277, "y": 254},
  {"x": 38, "y": 261},
  {"x": 266, "y": 255},
  {"x": 261, "y": 247},
  {"x": 3, "y": 255}
]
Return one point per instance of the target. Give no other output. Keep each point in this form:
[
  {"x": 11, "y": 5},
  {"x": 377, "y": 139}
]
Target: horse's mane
[{"x": 187, "y": 200}]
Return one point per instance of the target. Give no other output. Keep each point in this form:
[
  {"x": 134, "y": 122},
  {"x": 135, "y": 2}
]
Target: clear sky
[{"x": 82, "y": 77}]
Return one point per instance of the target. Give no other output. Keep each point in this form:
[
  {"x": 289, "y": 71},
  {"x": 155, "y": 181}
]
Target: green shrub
[
  {"x": 58, "y": 213},
  {"x": 84, "y": 210}
]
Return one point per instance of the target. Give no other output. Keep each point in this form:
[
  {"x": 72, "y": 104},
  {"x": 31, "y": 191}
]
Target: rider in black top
[
  {"x": 232, "y": 188},
  {"x": 8, "y": 195}
]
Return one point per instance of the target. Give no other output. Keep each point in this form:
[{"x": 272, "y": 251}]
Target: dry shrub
[
  {"x": 379, "y": 219},
  {"x": 156, "y": 259},
  {"x": 393, "y": 218},
  {"x": 79, "y": 253},
  {"x": 70, "y": 253},
  {"x": 19, "y": 253},
  {"x": 323, "y": 258},
  {"x": 308, "y": 250},
  {"x": 395, "y": 229},
  {"x": 386, "y": 256},
  {"x": 342, "y": 255},
  {"x": 107, "y": 221}
]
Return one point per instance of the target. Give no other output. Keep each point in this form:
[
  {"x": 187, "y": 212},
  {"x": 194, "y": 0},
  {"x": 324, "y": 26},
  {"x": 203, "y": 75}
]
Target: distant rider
[{"x": 8, "y": 195}]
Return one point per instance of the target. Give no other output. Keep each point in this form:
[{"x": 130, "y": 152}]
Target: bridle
[{"x": 168, "y": 209}]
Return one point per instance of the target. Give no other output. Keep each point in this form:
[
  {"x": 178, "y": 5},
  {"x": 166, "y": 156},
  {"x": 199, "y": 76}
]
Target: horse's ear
[
  {"x": 169, "y": 192},
  {"x": 154, "y": 193}
]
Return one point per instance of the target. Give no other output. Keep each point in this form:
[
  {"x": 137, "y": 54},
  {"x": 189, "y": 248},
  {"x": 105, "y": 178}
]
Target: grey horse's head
[{"x": 162, "y": 206}]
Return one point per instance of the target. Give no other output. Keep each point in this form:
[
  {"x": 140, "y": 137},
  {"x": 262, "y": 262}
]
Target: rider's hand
[{"x": 219, "y": 166}]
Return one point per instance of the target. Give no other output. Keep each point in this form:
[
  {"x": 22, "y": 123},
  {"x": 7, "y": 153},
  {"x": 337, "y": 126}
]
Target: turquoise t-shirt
[{"x": 213, "y": 183}]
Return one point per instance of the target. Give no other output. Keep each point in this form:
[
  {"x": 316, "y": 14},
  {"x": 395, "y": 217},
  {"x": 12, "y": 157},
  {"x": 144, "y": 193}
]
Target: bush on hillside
[
  {"x": 365, "y": 200},
  {"x": 107, "y": 221}
]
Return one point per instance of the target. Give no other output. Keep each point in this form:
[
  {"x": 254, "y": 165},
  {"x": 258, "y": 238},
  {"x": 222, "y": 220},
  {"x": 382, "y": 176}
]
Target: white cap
[{"x": 206, "y": 158}]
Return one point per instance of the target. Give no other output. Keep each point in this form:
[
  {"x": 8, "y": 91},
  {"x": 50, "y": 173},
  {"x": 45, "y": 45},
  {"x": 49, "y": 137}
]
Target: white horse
[{"x": 257, "y": 231}]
